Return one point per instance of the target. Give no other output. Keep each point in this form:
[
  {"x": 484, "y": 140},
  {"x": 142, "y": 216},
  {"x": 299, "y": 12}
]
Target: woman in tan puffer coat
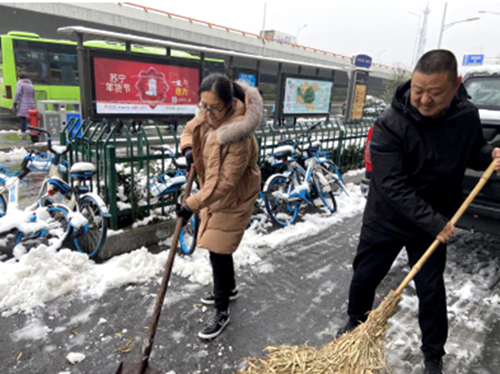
[{"x": 221, "y": 141}]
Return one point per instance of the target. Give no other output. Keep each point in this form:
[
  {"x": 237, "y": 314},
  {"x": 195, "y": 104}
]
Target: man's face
[{"x": 432, "y": 93}]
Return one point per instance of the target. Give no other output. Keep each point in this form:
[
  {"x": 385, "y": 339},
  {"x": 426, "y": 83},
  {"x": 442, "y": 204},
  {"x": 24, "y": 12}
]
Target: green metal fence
[{"x": 125, "y": 163}]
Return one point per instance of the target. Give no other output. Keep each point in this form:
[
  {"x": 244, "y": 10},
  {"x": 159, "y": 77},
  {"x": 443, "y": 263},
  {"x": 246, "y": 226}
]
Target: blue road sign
[
  {"x": 361, "y": 61},
  {"x": 473, "y": 60}
]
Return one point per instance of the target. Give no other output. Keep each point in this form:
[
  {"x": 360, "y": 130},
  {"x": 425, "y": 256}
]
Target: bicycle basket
[
  {"x": 314, "y": 147},
  {"x": 40, "y": 162},
  {"x": 167, "y": 183}
]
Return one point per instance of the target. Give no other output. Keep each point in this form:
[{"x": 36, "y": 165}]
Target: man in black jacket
[{"x": 420, "y": 149}]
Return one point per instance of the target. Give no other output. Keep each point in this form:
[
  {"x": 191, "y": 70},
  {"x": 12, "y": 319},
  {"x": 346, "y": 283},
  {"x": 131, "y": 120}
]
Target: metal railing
[{"x": 125, "y": 164}]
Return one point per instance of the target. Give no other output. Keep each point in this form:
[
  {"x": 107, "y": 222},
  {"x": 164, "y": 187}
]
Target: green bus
[{"x": 52, "y": 64}]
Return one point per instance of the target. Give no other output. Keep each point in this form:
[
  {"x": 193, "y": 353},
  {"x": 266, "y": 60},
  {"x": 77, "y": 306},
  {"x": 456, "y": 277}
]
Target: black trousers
[
  {"x": 372, "y": 263},
  {"x": 223, "y": 273}
]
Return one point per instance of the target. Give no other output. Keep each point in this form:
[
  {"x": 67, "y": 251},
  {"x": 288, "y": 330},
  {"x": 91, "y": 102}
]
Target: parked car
[{"x": 483, "y": 86}]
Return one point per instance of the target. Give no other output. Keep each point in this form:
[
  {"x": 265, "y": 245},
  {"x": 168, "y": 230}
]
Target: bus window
[
  {"x": 31, "y": 58},
  {"x": 63, "y": 65}
]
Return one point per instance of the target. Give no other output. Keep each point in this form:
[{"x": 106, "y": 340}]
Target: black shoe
[
  {"x": 216, "y": 323},
  {"x": 349, "y": 326},
  {"x": 209, "y": 298},
  {"x": 433, "y": 366}
]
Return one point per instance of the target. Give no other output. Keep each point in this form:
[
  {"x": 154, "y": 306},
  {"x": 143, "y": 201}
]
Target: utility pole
[
  {"x": 442, "y": 25},
  {"x": 264, "y": 20},
  {"x": 423, "y": 33}
]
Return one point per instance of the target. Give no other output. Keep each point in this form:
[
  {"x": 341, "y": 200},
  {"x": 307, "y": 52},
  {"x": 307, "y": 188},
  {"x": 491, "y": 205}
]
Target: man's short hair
[{"x": 438, "y": 61}]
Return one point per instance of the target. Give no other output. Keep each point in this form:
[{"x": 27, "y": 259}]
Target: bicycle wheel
[
  {"x": 324, "y": 189},
  {"x": 188, "y": 235},
  {"x": 90, "y": 238},
  {"x": 281, "y": 211},
  {"x": 57, "y": 229},
  {"x": 332, "y": 173},
  {"x": 3, "y": 206}
]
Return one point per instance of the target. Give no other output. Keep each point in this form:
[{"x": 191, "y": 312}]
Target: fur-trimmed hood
[
  {"x": 246, "y": 125},
  {"x": 244, "y": 122}
]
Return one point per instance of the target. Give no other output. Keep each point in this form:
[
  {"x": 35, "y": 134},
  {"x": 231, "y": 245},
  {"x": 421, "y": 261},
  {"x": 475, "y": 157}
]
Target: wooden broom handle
[
  {"x": 416, "y": 268},
  {"x": 148, "y": 344}
]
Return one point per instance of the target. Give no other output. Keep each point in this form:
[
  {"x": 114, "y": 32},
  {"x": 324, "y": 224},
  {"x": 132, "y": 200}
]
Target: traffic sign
[{"x": 473, "y": 60}]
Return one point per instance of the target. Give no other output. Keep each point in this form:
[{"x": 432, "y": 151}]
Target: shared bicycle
[
  {"x": 316, "y": 185},
  {"x": 67, "y": 210}
]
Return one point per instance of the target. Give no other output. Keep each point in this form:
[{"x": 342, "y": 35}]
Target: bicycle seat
[
  {"x": 284, "y": 151},
  {"x": 82, "y": 170},
  {"x": 181, "y": 163}
]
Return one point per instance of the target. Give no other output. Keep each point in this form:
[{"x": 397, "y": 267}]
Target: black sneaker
[
  {"x": 209, "y": 298},
  {"x": 216, "y": 323},
  {"x": 433, "y": 366},
  {"x": 349, "y": 326}
]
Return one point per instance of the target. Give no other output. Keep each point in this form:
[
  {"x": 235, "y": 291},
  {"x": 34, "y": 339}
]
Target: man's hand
[
  {"x": 496, "y": 155},
  {"x": 446, "y": 233}
]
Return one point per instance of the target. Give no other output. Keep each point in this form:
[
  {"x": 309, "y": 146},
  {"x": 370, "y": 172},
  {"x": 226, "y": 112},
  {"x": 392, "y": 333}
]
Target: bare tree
[{"x": 390, "y": 85}]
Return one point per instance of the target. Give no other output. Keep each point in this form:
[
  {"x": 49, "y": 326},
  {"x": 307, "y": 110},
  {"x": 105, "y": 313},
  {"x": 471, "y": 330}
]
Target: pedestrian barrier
[{"x": 125, "y": 164}]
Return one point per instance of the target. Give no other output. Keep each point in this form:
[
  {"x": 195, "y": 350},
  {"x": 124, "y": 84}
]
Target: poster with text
[
  {"x": 133, "y": 87},
  {"x": 358, "y": 103},
  {"x": 307, "y": 96}
]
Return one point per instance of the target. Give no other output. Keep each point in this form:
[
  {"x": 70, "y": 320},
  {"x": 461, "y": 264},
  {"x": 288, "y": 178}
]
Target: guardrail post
[{"x": 112, "y": 187}]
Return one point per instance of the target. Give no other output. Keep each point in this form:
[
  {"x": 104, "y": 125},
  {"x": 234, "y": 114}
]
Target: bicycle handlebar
[
  {"x": 49, "y": 141},
  {"x": 166, "y": 149}
]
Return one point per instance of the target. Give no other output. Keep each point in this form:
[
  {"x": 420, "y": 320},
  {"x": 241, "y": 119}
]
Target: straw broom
[{"x": 362, "y": 350}]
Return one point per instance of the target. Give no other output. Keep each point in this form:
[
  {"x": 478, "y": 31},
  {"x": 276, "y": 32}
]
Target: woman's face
[{"x": 213, "y": 106}]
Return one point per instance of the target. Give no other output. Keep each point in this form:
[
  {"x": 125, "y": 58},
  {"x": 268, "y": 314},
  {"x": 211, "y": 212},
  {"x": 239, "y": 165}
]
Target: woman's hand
[{"x": 185, "y": 213}]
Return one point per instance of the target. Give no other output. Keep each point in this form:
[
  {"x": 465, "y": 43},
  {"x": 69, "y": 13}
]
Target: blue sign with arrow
[{"x": 473, "y": 60}]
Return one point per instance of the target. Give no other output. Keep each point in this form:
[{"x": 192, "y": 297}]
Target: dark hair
[
  {"x": 438, "y": 61},
  {"x": 23, "y": 75},
  {"x": 223, "y": 87}
]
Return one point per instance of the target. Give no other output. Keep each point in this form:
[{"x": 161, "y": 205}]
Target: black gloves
[
  {"x": 188, "y": 154},
  {"x": 185, "y": 213}
]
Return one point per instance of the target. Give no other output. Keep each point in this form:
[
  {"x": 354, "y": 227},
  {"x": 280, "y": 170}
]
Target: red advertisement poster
[{"x": 132, "y": 87}]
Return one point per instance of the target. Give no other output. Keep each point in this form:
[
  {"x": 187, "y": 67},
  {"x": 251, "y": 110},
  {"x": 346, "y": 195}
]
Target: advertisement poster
[
  {"x": 307, "y": 96},
  {"x": 358, "y": 103},
  {"x": 132, "y": 87},
  {"x": 248, "y": 78}
]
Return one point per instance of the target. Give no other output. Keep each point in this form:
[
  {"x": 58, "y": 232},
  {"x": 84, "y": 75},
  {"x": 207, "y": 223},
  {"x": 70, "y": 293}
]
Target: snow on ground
[
  {"x": 32, "y": 279},
  {"x": 469, "y": 279},
  {"x": 15, "y": 154}
]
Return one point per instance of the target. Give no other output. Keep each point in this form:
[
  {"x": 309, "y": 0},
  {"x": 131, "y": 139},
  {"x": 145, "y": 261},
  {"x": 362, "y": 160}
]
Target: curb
[{"x": 134, "y": 238}]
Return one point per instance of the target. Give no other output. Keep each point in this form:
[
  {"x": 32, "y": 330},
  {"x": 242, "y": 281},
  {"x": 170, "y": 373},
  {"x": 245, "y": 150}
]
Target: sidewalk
[{"x": 10, "y": 139}]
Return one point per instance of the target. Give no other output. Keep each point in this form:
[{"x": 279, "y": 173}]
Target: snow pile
[
  {"x": 31, "y": 279},
  {"x": 14, "y": 154}
]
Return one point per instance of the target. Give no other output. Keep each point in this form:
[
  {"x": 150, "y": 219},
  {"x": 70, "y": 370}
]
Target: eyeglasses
[{"x": 203, "y": 108}]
